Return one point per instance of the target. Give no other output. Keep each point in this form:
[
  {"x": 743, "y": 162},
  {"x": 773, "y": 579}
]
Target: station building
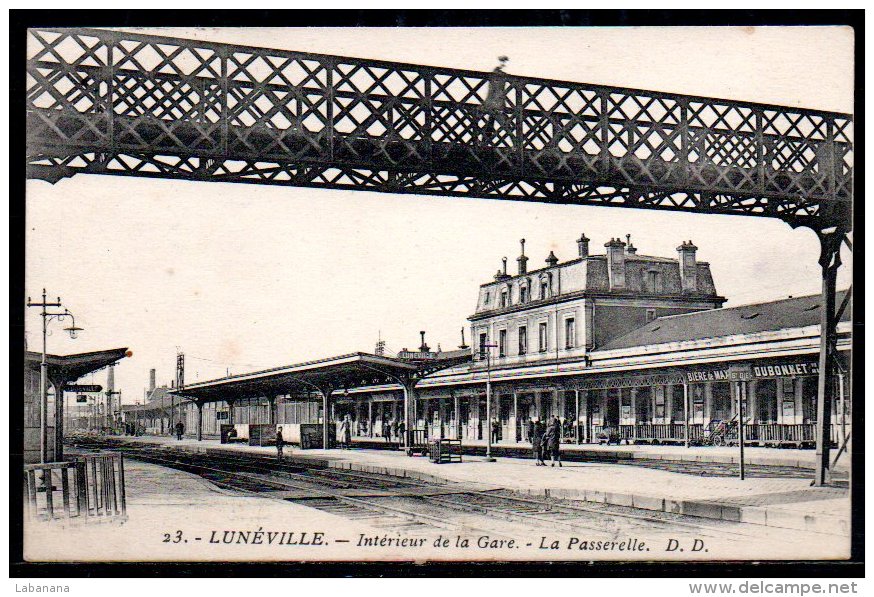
[{"x": 616, "y": 345}]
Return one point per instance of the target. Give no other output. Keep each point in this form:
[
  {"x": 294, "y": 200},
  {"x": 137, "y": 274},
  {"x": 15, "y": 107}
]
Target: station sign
[
  {"x": 84, "y": 389},
  {"x": 417, "y": 356}
]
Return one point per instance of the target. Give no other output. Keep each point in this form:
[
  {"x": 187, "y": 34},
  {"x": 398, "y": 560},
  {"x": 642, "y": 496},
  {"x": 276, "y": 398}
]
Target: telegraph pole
[{"x": 43, "y": 368}]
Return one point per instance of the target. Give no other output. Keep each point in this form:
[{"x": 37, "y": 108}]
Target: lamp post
[
  {"x": 488, "y": 356},
  {"x": 43, "y": 366}
]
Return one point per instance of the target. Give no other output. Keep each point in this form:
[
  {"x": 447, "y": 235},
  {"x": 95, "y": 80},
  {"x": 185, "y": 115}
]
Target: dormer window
[
  {"x": 505, "y": 298},
  {"x": 653, "y": 281},
  {"x": 487, "y": 298},
  {"x": 523, "y": 293},
  {"x": 544, "y": 289}
]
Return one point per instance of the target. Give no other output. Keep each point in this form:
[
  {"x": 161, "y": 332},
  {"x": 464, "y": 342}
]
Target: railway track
[{"x": 413, "y": 506}]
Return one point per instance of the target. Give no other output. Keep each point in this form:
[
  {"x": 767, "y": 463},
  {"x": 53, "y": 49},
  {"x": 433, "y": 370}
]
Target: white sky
[{"x": 246, "y": 277}]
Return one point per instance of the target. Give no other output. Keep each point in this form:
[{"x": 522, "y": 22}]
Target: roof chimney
[
  {"x": 522, "y": 260},
  {"x": 463, "y": 345},
  {"x": 688, "y": 267},
  {"x": 552, "y": 260},
  {"x": 502, "y": 275},
  {"x": 616, "y": 263},
  {"x": 151, "y": 380},
  {"x": 424, "y": 347},
  {"x": 630, "y": 249},
  {"x": 583, "y": 245}
]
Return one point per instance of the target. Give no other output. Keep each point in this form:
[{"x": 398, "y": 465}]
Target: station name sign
[
  {"x": 417, "y": 356},
  {"x": 83, "y": 389},
  {"x": 736, "y": 373}
]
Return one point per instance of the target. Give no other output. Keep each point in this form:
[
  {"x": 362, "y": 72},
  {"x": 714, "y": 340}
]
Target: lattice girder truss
[{"x": 126, "y": 104}]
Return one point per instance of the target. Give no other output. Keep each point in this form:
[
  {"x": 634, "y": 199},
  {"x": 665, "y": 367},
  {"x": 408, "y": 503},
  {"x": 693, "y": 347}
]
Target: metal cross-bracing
[{"x": 108, "y": 102}]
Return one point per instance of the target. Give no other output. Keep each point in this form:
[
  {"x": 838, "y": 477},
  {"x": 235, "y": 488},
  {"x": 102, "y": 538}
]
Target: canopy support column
[
  {"x": 59, "y": 419},
  {"x": 199, "y": 404},
  {"x": 326, "y": 416},
  {"x": 409, "y": 386}
]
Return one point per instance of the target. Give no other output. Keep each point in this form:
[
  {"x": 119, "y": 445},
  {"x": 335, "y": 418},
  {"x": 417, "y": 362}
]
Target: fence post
[
  {"x": 94, "y": 486},
  {"x": 65, "y": 487},
  {"x": 121, "y": 485},
  {"x": 81, "y": 489},
  {"x": 47, "y": 483}
]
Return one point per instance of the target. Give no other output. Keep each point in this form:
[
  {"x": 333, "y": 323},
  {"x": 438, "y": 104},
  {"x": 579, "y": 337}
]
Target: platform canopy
[
  {"x": 68, "y": 368},
  {"x": 329, "y": 374}
]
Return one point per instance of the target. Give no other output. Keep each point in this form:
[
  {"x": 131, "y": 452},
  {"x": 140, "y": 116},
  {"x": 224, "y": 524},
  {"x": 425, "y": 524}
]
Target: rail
[{"x": 90, "y": 487}]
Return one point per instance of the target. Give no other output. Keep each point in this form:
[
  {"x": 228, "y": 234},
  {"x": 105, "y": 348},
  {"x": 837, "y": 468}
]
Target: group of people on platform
[
  {"x": 545, "y": 440},
  {"x": 393, "y": 428}
]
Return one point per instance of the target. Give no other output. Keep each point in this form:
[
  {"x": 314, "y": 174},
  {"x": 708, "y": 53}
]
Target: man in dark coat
[
  {"x": 180, "y": 429},
  {"x": 535, "y": 443},
  {"x": 386, "y": 430},
  {"x": 552, "y": 441},
  {"x": 280, "y": 443}
]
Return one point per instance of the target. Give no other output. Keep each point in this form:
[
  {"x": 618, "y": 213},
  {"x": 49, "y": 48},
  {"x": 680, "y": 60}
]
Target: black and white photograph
[{"x": 467, "y": 294}]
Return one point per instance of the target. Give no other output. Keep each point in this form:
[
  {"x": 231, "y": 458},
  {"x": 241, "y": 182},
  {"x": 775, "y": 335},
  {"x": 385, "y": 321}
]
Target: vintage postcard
[{"x": 439, "y": 294}]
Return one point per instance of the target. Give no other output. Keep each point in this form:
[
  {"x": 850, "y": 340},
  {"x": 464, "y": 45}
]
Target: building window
[
  {"x": 650, "y": 315},
  {"x": 570, "y": 339},
  {"x": 543, "y": 336},
  {"x": 505, "y": 298},
  {"x": 544, "y": 289},
  {"x": 523, "y": 294},
  {"x": 483, "y": 340},
  {"x": 488, "y": 297},
  {"x": 502, "y": 343},
  {"x": 523, "y": 339}
]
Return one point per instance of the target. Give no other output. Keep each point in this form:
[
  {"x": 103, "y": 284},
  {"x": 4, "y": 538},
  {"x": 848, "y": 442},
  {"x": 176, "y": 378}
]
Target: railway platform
[
  {"x": 160, "y": 501},
  {"x": 775, "y": 496},
  {"x": 791, "y": 457}
]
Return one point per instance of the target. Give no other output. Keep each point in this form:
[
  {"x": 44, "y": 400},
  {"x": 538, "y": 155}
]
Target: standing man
[
  {"x": 346, "y": 432},
  {"x": 280, "y": 443},
  {"x": 180, "y": 429},
  {"x": 552, "y": 441},
  {"x": 402, "y": 429},
  {"x": 386, "y": 430}
]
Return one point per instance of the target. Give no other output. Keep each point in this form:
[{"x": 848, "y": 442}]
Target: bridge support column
[{"x": 829, "y": 261}]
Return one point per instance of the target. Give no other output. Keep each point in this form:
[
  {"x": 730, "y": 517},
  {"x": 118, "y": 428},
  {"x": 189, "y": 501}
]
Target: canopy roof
[
  {"x": 333, "y": 373},
  {"x": 69, "y": 368}
]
